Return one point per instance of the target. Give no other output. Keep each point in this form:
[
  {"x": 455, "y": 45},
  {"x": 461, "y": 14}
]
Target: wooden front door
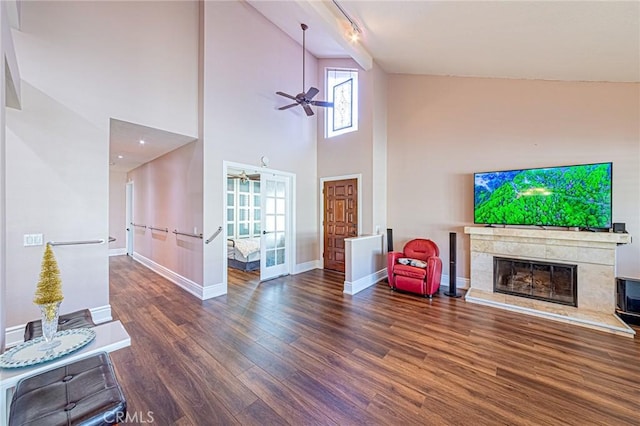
[{"x": 340, "y": 220}]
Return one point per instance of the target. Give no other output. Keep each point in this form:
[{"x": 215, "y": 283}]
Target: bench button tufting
[
  {"x": 67, "y": 378},
  {"x": 70, "y": 406}
]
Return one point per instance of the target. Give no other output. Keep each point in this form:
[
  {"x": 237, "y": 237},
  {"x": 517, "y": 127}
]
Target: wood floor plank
[{"x": 296, "y": 350}]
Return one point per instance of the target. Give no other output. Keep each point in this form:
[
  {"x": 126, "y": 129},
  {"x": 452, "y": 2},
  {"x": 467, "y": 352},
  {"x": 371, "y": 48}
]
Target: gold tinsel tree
[{"x": 49, "y": 289}]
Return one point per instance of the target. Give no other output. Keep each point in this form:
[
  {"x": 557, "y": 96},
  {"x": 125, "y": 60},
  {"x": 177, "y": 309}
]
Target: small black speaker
[
  {"x": 452, "y": 266},
  {"x": 620, "y": 228},
  {"x": 389, "y": 240}
]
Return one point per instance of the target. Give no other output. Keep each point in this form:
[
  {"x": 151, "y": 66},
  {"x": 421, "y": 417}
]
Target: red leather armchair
[{"x": 413, "y": 276}]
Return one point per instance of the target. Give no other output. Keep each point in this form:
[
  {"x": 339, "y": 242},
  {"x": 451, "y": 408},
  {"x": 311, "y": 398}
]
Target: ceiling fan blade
[
  {"x": 287, "y": 106},
  {"x": 286, "y": 95},
  {"x": 322, "y": 104},
  {"x": 307, "y": 109},
  {"x": 311, "y": 93}
]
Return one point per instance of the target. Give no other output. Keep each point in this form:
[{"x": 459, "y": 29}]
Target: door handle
[{"x": 267, "y": 232}]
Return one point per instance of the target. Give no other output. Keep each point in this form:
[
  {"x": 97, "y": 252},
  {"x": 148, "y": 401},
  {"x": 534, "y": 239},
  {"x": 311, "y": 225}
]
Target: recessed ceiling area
[
  {"x": 126, "y": 152},
  {"x": 546, "y": 40}
]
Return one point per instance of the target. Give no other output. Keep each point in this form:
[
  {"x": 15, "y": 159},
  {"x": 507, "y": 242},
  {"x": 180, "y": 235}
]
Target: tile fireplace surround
[{"x": 593, "y": 252}]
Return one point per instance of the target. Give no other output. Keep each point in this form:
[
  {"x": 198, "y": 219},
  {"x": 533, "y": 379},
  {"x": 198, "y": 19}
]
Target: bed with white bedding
[{"x": 244, "y": 253}]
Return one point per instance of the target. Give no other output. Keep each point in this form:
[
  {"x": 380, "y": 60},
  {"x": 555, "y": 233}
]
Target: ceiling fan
[
  {"x": 304, "y": 99},
  {"x": 244, "y": 177}
]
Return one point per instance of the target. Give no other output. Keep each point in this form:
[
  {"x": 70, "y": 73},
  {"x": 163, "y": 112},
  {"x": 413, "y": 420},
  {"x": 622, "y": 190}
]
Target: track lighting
[{"x": 355, "y": 29}]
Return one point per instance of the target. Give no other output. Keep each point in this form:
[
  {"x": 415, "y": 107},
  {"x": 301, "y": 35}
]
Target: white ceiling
[
  {"x": 549, "y": 40},
  {"x": 124, "y": 140}
]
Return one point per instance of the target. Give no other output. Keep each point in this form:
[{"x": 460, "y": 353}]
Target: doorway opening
[{"x": 259, "y": 220}]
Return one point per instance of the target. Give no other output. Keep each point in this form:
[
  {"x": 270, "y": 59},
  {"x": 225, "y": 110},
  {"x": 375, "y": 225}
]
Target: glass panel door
[{"x": 274, "y": 256}]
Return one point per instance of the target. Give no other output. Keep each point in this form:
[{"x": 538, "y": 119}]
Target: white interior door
[
  {"x": 276, "y": 226},
  {"x": 129, "y": 218}
]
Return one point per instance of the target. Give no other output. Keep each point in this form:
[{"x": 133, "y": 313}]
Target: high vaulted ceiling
[{"x": 548, "y": 40}]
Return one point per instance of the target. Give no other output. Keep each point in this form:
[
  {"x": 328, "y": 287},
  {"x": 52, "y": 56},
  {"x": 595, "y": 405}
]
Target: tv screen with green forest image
[{"x": 566, "y": 196}]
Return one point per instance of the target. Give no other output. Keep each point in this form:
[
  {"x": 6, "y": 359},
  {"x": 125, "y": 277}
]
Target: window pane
[
  {"x": 280, "y": 239},
  {"x": 280, "y": 256},
  {"x": 271, "y": 188},
  {"x": 256, "y": 214},
  {"x": 343, "y": 105},
  {"x": 256, "y": 228},
  {"x": 230, "y": 198},
  {"x": 243, "y": 200},
  {"x": 243, "y": 229},
  {"x": 230, "y": 215},
  {"x": 230, "y": 184},
  {"x": 243, "y": 214},
  {"x": 244, "y": 186},
  {"x": 256, "y": 200},
  {"x": 256, "y": 187},
  {"x": 271, "y": 258},
  {"x": 230, "y": 231},
  {"x": 270, "y": 239},
  {"x": 280, "y": 189},
  {"x": 342, "y": 90},
  {"x": 270, "y": 206},
  {"x": 280, "y": 206},
  {"x": 280, "y": 223},
  {"x": 271, "y": 223}
]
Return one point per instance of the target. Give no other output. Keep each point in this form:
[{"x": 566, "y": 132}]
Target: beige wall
[
  {"x": 83, "y": 63},
  {"x": 246, "y": 60},
  {"x": 361, "y": 152},
  {"x": 443, "y": 129},
  {"x": 117, "y": 209},
  {"x": 168, "y": 194}
]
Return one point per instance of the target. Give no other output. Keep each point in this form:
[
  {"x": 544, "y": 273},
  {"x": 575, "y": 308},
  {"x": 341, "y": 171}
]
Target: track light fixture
[{"x": 356, "y": 31}]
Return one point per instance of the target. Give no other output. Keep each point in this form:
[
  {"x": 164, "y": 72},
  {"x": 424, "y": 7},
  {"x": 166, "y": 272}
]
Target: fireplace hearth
[
  {"x": 593, "y": 253},
  {"x": 551, "y": 282}
]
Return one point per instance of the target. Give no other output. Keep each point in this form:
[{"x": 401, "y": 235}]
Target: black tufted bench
[
  {"x": 78, "y": 319},
  {"x": 85, "y": 392}
]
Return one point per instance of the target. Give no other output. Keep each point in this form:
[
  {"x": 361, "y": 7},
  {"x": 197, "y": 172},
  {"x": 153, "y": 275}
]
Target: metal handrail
[
  {"x": 139, "y": 226},
  {"x": 214, "y": 235},
  {"x": 159, "y": 229},
  {"x": 74, "y": 243},
  {"x": 111, "y": 239},
  {"x": 187, "y": 234}
]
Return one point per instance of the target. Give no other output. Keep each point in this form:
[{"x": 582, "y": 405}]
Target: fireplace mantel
[
  {"x": 593, "y": 252},
  {"x": 551, "y": 234}
]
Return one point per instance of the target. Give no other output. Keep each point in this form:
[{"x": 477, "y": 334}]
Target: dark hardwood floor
[{"x": 297, "y": 351}]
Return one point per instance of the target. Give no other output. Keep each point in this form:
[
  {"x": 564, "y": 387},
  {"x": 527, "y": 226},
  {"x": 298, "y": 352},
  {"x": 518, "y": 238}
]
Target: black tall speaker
[
  {"x": 389, "y": 240},
  {"x": 452, "y": 266}
]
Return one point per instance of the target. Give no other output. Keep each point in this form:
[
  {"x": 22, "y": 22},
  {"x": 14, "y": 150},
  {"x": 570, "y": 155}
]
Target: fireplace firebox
[{"x": 551, "y": 282}]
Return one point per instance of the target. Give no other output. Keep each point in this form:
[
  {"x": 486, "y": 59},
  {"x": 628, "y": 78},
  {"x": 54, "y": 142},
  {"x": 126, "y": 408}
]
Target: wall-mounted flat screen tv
[{"x": 566, "y": 196}]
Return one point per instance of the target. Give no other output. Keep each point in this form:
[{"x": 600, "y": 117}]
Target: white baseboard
[
  {"x": 15, "y": 335},
  {"x": 117, "y": 252},
  {"x": 185, "y": 283},
  {"x": 364, "y": 282},
  {"x": 211, "y": 291},
  {"x": 101, "y": 314},
  {"x": 461, "y": 283},
  {"x": 307, "y": 266}
]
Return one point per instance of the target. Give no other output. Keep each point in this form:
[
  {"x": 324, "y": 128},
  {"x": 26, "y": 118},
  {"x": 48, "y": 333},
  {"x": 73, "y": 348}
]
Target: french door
[{"x": 276, "y": 227}]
